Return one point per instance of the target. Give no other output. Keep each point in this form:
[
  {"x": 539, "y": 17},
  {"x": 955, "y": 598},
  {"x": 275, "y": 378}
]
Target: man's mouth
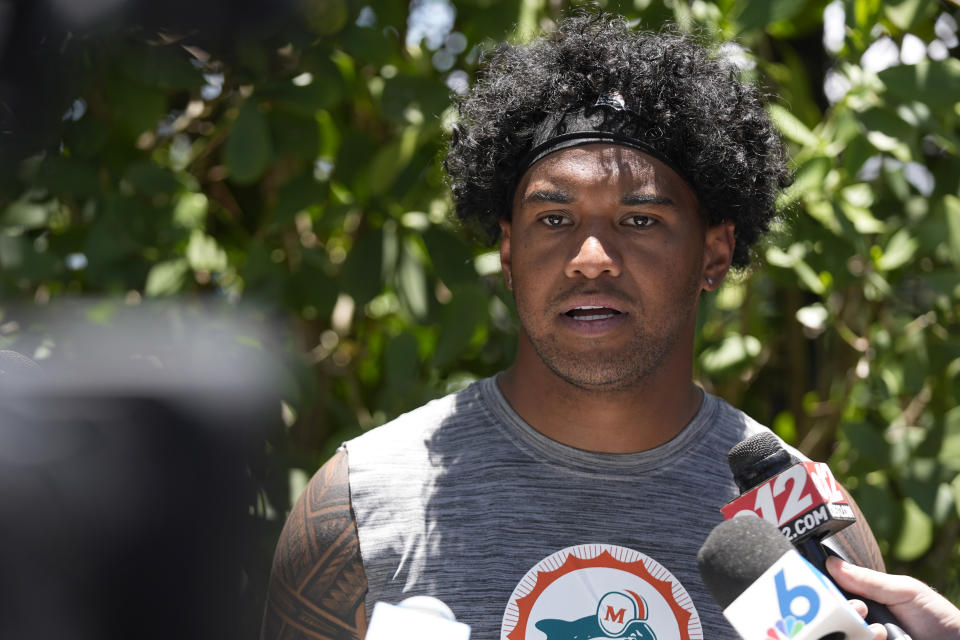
[{"x": 588, "y": 313}]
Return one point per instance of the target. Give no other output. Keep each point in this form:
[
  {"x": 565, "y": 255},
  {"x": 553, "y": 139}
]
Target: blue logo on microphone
[{"x": 799, "y": 606}]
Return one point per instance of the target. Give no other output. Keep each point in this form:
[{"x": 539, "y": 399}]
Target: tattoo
[
  {"x": 317, "y": 583},
  {"x": 857, "y": 540}
]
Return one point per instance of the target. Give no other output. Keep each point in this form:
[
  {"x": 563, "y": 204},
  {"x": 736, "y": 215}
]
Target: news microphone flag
[
  {"x": 416, "y": 618},
  {"x": 768, "y": 591},
  {"x": 804, "y": 501}
]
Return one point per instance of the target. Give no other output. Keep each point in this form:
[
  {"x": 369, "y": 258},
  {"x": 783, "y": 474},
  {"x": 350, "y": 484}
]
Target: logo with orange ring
[{"x": 600, "y": 592}]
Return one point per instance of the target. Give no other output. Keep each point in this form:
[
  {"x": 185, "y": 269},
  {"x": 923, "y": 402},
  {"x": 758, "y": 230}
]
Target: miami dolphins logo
[
  {"x": 619, "y": 615},
  {"x": 600, "y": 592}
]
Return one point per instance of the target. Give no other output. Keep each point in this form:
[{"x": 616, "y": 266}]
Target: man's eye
[
  {"x": 640, "y": 221},
  {"x": 553, "y": 220}
]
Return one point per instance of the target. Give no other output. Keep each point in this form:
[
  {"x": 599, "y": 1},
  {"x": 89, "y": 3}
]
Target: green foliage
[{"x": 301, "y": 170}]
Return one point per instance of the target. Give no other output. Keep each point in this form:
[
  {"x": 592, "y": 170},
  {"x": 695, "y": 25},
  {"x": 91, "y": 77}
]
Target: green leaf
[
  {"x": 759, "y": 13},
  {"x": 856, "y": 153},
  {"x": 955, "y": 485},
  {"x": 868, "y": 449},
  {"x": 401, "y": 359},
  {"x": 934, "y": 82},
  {"x": 325, "y": 91},
  {"x": 951, "y": 211},
  {"x": 361, "y": 273},
  {"x": 412, "y": 283},
  {"x": 427, "y": 93},
  {"x": 204, "y": 254},
  {"x": 898, "y": 252},
  {"x": 190, "y": 210},
  {"x": 865, "y": 13},
  {"x": 296, "y": 135},
  {"x": 165, "y": 66},
  {"x": 401, "y": 365},
  {"x": 166, "y": 278},
  {"x": 949, "y": 454},
  {"x": 134, "y": 108},
  {"x": 460, "y": 318},
  {"x": 27, "y": 215},
  {"x": 734, "y": 352},
  {"x": 86, "y": 137},
  {"x": 249, "y": 150},
  {"x": 791, "y": 126},
  {"x": 325, "y": 17},
  {"x": 452, "y": 258},
  {"x": 297, "y": 195},
  {"x": 916, "y": 533},
  {"x": 863, "y": 221},
  {"x": 808, "y": 178},
  {"x": 880, "y": 508},
  {"x": 68, "y": 177},
  {"x": 887, "y": 131},
  {"x": 905, "y": 13},
  {"x": 151, "y": 179}
]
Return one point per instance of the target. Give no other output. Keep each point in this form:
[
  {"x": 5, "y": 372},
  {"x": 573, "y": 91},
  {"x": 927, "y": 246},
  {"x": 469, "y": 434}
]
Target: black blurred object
[
  {"x": 761, "y": 457},
  {"x": 736, "y": 553},
  {"x": 124, "y": 479}
]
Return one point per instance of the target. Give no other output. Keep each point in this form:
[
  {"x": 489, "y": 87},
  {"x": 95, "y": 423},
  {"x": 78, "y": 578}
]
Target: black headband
[{"x": 608, "y": 120}]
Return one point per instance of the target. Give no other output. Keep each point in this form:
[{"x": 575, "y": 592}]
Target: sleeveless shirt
[{"x": 529, "y": 539}]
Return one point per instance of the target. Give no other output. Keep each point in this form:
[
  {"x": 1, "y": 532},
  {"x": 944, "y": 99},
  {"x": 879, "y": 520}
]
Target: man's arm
[
  {"x": 317, "y": 583},
  {"x": 857, "y": 542}
]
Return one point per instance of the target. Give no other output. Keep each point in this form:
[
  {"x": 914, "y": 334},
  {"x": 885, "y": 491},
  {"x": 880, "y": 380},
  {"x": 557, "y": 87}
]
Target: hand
[{"x": 924, "y": 613}]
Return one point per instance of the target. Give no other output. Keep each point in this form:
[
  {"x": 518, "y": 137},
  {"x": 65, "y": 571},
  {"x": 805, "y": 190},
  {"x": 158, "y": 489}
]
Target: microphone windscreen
[
  {"x": 758, "y": 458},
  {"x": 736, "y": 553}
]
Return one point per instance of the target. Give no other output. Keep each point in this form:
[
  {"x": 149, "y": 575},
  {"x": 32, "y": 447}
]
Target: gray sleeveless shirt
[{"x": 528, "y": 539}]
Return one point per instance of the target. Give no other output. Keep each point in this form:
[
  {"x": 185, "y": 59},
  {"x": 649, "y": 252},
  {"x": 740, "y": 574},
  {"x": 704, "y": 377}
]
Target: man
[{"x": 567, "y": 497}]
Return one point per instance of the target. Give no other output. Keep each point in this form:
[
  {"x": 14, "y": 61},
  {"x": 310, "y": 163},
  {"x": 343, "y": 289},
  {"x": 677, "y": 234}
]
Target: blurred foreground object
[{"x": 124, "y": 469}]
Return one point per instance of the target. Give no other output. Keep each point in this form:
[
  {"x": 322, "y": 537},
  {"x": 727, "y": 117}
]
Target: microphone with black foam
[
  {"x": 803, "y": 500},
  {"x": 768, "y": 590},
  {"x": 416, "y": 618}
]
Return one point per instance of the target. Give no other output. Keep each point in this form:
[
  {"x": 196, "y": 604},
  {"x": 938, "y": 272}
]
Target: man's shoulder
[{"x": 462, "y": 407}]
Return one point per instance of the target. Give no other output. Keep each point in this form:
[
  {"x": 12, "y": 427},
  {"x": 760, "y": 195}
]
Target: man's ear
[
  {"x": 505, "y": 265},
  {"x": 718, "y": 246}
]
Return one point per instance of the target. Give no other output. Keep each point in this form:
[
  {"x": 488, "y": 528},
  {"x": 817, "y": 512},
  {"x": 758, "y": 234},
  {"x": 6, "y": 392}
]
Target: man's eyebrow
[
  {"x": 637, "y": 199},
  {"x": 547, "y": 195}
]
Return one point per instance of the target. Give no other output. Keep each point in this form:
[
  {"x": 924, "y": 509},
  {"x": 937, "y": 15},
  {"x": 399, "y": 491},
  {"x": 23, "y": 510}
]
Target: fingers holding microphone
[{"x": 925, "y": 614}]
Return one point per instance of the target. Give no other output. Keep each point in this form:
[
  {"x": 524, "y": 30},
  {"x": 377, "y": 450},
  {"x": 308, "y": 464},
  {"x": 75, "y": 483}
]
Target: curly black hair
[{"x": 695, "y": 111}]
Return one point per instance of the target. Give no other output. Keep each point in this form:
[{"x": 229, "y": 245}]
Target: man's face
[{"x": 606, "y": 253}]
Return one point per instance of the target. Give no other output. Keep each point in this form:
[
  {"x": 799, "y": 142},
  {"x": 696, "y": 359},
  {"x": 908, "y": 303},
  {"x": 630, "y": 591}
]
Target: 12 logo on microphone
[{"x": 802, "y": 501}]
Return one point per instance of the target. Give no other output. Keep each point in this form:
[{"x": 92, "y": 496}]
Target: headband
[{"x": 608, "y": 120}]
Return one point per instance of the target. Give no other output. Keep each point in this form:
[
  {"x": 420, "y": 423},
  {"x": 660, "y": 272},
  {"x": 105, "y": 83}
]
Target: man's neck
[{"x": 638, "y": 417}]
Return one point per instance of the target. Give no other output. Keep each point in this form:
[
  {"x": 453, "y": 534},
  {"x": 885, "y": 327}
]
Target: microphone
[
  {"x": 767, "y": 589},
  {"x": 416, "y": 618},
  {"x": 803, "y": 499}
]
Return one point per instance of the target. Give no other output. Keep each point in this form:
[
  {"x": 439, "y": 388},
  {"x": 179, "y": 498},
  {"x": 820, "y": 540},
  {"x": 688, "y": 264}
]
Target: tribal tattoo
[
  {"x": 317, "y": 583},
  {"x": 857, "y": 541}
]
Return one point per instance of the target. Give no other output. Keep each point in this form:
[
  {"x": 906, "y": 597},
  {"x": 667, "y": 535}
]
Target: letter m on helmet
[{"x": 615, "y": 616}]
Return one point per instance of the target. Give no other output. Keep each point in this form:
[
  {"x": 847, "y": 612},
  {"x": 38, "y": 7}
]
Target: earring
[
  {"x": 709, "y": 281},
  {"x": 509, "y": 281}
]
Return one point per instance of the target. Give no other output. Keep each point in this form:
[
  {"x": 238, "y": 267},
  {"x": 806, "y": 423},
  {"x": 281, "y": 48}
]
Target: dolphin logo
[{"x": 619, "y": 615}]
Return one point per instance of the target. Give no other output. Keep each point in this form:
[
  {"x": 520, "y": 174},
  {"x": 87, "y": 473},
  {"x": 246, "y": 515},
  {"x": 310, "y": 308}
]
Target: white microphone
[
  {"x": 768, "y": 590},
  {"x": 416, "y": 618}
]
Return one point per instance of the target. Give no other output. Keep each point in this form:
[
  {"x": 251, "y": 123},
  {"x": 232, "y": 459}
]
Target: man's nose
[{"x": 593, "y": 259}]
